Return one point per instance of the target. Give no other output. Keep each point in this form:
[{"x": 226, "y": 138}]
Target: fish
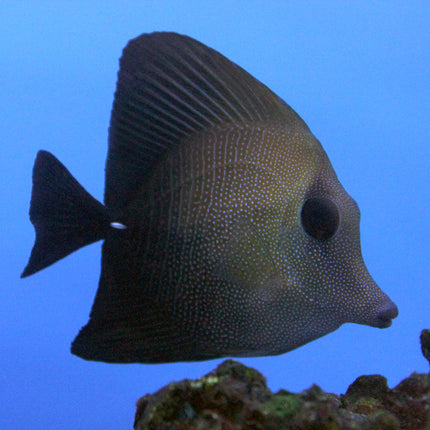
[{"x": 225, "y": 229}]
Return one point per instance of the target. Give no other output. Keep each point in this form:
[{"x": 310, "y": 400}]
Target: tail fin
[{"x": 64, "y": 215}]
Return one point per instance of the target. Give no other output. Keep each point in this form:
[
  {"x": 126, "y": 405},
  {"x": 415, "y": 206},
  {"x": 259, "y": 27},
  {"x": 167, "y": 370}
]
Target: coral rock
[{"x": 236, "y": 397}]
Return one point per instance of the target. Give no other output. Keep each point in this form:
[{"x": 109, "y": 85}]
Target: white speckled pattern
[{"x": 209, "y": 170}]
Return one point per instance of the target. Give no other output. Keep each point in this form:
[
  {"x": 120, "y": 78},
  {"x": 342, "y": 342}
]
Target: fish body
[{"x": 226, "y": 231}]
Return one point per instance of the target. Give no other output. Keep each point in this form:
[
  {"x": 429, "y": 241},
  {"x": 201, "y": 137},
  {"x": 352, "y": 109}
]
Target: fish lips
[{"x": 385, "y": 314}]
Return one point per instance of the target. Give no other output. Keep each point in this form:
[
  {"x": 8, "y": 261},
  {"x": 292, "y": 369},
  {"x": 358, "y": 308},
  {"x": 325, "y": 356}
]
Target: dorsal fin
[{"x": 170, "y": 87}]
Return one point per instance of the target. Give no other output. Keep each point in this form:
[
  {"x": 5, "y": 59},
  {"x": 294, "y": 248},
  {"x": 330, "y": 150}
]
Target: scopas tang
[{"x": 226, "y": 231}]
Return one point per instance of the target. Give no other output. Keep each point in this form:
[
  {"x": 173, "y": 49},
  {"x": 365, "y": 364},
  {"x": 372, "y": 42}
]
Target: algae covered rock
[
  {"x": 229, "y": 397},
  {"x": 408, "y": 402},
  {"x": 235, "y": 397}
]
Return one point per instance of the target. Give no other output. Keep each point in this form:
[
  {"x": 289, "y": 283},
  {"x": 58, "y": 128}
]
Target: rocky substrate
[{"x": 235, "y": 397}]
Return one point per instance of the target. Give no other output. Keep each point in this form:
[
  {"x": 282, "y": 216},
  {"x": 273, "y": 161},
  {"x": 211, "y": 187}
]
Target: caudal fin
[{"x": 65, "y": 217}]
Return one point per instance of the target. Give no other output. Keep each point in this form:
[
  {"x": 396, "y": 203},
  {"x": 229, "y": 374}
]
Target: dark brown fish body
[{"x": 239, "y": 239}]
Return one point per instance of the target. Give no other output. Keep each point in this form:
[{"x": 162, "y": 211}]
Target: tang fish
[{"x": 226, "y": 231}]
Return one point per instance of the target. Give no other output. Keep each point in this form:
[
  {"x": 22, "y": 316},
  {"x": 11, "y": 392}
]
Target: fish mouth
[{"x": 386, "y": 314}]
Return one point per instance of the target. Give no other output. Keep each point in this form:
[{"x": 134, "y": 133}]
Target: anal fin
[{"x": 128, "y": 323}]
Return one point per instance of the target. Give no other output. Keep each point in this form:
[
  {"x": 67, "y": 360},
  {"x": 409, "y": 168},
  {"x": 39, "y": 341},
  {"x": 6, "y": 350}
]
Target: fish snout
[{"x": 385, "y": 314}]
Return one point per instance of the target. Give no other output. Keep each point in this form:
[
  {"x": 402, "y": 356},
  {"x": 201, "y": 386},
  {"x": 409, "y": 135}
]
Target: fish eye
[{"x": 320, "y": 218}]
